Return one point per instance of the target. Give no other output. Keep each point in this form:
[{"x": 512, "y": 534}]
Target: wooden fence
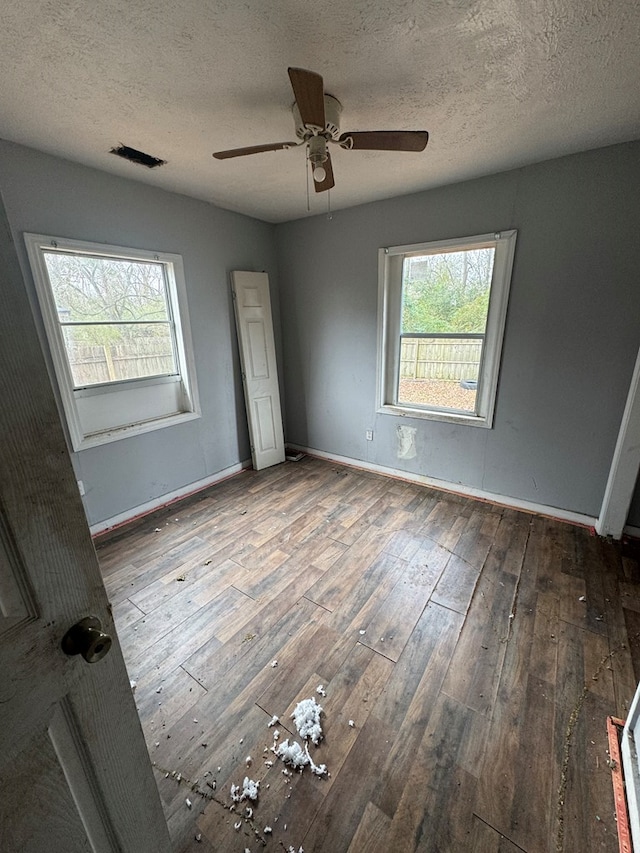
[
  {"x": 93, "y": 364},
  {"x": 440, "y": 358}
]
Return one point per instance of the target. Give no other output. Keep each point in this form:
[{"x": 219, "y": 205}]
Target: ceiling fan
[{"x": 317, "y": 122}]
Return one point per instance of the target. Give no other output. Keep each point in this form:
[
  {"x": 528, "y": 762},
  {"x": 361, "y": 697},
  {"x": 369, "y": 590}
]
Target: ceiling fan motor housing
[{"x": 332, "y": 110}]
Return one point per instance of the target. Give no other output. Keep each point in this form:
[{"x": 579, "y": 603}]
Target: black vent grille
[{"x": 135, "y": 156}]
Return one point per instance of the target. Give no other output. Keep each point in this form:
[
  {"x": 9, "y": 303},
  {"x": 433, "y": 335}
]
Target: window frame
[
  {"x": 146, "y": 402},
  {"x": 390, "y": 262}
]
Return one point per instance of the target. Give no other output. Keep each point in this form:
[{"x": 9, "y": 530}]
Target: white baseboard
[
  {"x": 442, "y": 485},
  {"x": 169, "y": 498},
  {"x": 456, "y": 488}
]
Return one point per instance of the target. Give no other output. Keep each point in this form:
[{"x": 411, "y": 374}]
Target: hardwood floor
[{"x": 451, "y": 632}]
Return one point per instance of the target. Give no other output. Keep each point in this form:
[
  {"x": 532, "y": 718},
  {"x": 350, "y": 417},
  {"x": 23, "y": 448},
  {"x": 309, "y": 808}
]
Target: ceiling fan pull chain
[
  {"x": 329, "y": 213},
  {"x": 306, "y": 160}
]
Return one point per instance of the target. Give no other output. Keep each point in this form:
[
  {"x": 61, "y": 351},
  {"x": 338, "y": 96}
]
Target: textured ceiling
[{"x": 497, "y": 83}]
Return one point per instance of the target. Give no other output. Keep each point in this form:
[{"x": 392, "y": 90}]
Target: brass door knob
[{"x": 87, "y": 638}]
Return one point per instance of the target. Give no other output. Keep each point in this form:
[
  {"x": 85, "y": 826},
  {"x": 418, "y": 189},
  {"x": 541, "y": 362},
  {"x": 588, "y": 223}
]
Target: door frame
[{"x": 625, "y": 465}]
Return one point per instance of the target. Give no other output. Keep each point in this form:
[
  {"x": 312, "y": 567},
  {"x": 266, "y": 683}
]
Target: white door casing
[
  {"x": 631, "y": 764},
  {"x": 254, "y": 324},
  {"x": 75, "y": 774},
  {"x": 623, "y": 474}
]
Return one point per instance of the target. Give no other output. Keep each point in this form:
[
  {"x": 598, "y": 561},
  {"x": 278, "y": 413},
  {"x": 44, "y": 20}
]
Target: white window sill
[
  {"x": 435, "y": 415},
  {"x": 99, "y": 438}
]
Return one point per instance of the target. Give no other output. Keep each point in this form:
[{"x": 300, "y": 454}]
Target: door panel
[
  {"x": 41, "y": 780},
  {"x": 74, "y": 769},
  {"x": 259, "y": 371}
]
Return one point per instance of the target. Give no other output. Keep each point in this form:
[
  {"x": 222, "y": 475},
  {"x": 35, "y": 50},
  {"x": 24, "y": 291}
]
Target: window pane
[
  {"x": 112, "y": 352},
  {"x": 446, "y": 296},
  {"x": 93, "y": 289},
  {"x": 440, "y": 372}
]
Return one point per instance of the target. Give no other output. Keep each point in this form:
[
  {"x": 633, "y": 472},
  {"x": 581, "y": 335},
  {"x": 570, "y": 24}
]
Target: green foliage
[
  {"x": 107, "y": 290},
  {"x": 448, "y": 292},
  {"x": 472, "y": 316}
]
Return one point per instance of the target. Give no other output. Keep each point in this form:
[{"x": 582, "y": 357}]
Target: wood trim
[{"x": 614, "y": 730}]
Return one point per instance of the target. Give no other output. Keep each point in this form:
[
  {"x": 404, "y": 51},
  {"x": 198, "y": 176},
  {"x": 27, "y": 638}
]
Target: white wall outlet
[
  {"x": 81, "y": 487},
  {"x": 369, "y": 435}
]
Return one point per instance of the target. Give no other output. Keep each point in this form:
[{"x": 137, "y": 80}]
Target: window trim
[
  {"x": 186, "y": 393},
  {"x": 390, "y": 261}
]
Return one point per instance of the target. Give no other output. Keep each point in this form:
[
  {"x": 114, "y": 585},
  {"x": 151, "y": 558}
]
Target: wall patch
[{"x": 406, "y": 442}]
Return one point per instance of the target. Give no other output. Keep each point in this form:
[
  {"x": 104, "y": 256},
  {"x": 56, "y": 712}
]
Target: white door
[
  {"x": 75, "y": 774},
  {"x": 259, "y": 371}
]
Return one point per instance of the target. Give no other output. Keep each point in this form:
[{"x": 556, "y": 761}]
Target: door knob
[{"x": 87, "y": 638}]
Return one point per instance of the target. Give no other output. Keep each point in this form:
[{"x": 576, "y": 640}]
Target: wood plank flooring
[{"x": 450, "y": 632}]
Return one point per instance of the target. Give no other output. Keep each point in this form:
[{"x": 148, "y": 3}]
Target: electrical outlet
[
  {"x": 369, "y": 435},
  {"x": 81, "y": 487}
]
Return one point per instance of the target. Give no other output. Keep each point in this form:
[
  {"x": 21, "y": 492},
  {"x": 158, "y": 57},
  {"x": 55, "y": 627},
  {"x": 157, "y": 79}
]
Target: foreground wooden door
[
  {"x": 75, "y": 774},
  {"x": 259, "y": 370}
]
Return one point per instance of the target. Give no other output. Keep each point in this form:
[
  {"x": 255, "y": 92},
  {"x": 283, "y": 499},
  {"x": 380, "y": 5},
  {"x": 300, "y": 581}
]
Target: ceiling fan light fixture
[
  {"x": 316, "y": 118},
  {"x": 318, "y": 155}
]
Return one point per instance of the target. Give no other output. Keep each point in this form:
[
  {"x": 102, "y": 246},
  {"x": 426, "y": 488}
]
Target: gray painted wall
[
  {"x": 570, "y": 345},
  {"x": 46, "y": 195},
  {"x": 571, "y": 339}
]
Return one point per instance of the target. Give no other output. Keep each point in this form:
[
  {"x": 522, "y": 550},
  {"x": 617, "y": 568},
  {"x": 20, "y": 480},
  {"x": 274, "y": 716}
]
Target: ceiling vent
[{"x": 135, "y": 156}]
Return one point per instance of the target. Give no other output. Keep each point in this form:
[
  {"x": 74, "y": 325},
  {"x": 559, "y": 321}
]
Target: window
[
  {"x": 442, "y": 313},
  {"x": 117, "y": 325}
]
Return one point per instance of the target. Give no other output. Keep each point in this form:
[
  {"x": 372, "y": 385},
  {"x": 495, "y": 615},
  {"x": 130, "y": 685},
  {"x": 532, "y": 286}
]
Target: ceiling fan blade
[
  {"x": 308, "y": 89},
  {"x": 386, "y": 140},
  {"x": 328, "y": 183},
  {"x": 254, "y": 149}
]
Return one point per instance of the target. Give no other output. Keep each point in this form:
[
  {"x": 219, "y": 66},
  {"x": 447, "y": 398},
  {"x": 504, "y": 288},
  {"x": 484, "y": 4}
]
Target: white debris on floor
[
  {"x": 250, "y": 790},
  {"x": 273, "y": 721},
  {"x": 320, "y": 690},
  {"x": 306, "y": 716},
  {"x": 318, "y": 769},
  {"x": 292, "y": 754}
]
